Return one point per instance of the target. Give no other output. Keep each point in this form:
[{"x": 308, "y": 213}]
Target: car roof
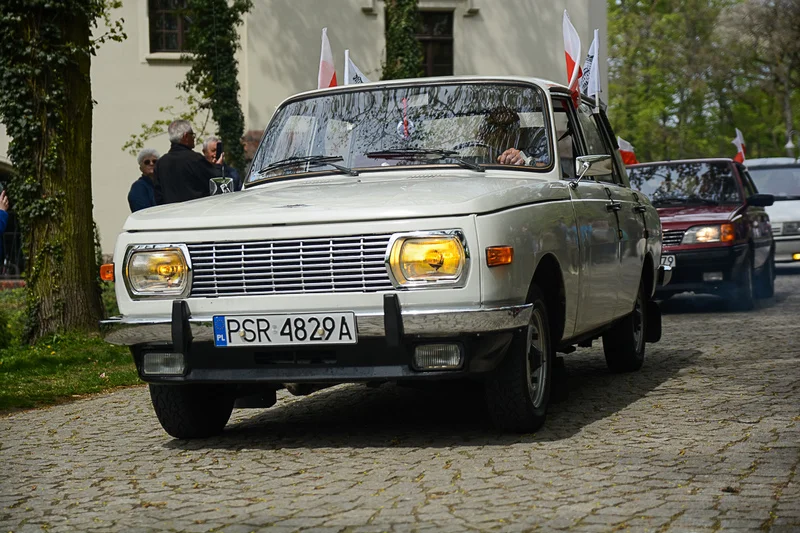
[
  {"x": 438, "y": 80},
  {"x": 682, "y": 161},
  {"x": 772, "y": 162}
]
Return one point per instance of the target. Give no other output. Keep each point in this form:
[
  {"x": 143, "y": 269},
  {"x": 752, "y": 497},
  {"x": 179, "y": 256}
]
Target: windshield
[
  {"x": 782, "y": 182},
  {"x": 466, "y": 124},
  {"x": 686, "y": 183}
]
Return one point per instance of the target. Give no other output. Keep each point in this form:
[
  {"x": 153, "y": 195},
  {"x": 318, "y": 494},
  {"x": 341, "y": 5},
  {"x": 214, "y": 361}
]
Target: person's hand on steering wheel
[{"x": 512, "y": 156}]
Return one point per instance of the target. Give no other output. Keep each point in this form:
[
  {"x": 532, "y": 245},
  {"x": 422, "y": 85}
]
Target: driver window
[
  {"x": 566, "y": 139},
  {"x": 594, "y": 138}
]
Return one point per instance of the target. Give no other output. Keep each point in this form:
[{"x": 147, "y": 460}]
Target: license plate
[
  {"x": 668, "y": 260},
  {"x": 285, "y": 330}
]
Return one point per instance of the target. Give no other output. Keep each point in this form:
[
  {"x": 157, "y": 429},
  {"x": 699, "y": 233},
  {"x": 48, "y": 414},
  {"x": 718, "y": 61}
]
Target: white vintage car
[{"x": 428, "y": 229}]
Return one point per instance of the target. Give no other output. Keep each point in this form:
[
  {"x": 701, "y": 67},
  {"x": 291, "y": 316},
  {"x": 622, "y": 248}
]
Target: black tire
[
  {"x": 765, "y": 284},
  {"x": 743, "y": 298},
  {"x": 518, "y": 390},
  {"x": 624, "y": 343},
  {"x": 192, "y": 411}
]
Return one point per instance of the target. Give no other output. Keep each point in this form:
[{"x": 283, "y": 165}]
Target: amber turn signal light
[
  {"x": 107, "y": 272},
  {"x": 727, "y": 233},
  {"x": 499, "y": 255}
]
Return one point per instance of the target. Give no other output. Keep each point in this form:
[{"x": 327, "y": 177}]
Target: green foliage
[
  {"x": 45, "y": 51},
  {"x": 683, "y": 74},
  {"x": 6, "y": 332},
  {"x": 403, "y": 50}
]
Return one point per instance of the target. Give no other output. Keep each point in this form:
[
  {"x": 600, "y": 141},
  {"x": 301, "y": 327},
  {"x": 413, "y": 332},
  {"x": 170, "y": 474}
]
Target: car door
[
  {"x": 627, "y": 207},
  {"x": 596, "y": 226},
  {"x": 758, "y": 220}
]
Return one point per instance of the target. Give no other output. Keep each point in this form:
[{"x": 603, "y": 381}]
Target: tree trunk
[{"x": 62, "y": 279}]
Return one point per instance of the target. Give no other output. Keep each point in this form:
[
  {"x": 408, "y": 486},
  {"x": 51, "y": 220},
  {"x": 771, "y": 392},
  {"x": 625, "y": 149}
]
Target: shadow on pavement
[{"x": 454, "y": 414}]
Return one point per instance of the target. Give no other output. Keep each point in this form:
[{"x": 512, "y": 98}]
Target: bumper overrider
[{"x": 385, "y": 349}]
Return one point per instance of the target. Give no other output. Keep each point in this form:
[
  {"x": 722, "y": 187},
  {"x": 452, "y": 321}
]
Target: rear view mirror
[
  {"x": 591, "y": 165},
  {"x": 761, "y": 200}
]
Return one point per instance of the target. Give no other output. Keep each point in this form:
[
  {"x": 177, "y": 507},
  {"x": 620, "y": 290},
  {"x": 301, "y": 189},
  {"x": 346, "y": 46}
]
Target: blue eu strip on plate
[{"x": 220, "y": 335}]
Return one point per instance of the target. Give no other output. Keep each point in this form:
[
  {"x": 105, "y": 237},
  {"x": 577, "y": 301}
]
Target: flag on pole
[
  {"x": 352, "y": 74},
  {"x": 327, "y": 70},
  {"x": 626, "y": 151},
  {"x": 738, "y": 142},
  {"x": 572, "y": 50},
  {"x": 590, "y": 83}
]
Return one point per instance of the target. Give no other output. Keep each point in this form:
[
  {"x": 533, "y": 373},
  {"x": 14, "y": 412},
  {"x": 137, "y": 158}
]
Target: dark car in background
[
  {"x": 717, "y": 236},
  {"x": 780, "y": 177}
]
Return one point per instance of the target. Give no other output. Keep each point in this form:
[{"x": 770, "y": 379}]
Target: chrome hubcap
[{"x": 536, "y": 361}]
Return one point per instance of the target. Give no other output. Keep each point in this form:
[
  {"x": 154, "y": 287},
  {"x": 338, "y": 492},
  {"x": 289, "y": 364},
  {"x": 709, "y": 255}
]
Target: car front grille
[
  {"x": 672, "y": 237},
  {"x": 328, "y": 264}
]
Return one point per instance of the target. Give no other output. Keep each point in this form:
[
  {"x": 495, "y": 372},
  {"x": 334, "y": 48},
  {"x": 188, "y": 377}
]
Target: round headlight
[
  {"x": 427, "y": 259},
  {"x": 157, "y": 272}
]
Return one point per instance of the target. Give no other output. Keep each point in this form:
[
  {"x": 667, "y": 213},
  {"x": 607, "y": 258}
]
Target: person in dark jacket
[
  {"x": 142, "y": 193},
  {"x": 3, "y": 222},
  {"x": 210, "y": 153},
  {"x": 183, "y": 174}
]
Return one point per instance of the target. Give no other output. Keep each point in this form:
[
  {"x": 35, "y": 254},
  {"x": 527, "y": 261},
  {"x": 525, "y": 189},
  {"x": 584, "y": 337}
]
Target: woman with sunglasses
[{"x": 142, "y": 193}]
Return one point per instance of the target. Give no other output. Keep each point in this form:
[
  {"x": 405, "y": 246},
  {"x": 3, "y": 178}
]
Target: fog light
[
  {"x": 795, "y": 257},
  {"x": 712, "y": 276},
  {"x": 438, "y": 357},
  {"x": 163, "y": 364}
]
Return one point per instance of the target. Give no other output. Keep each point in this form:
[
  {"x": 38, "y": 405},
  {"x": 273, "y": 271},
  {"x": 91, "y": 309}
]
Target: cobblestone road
[{"x": 706, "y": 437}]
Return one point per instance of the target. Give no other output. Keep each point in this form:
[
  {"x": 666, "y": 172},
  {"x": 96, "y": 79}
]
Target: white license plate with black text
[
  {"x": 668, "y": 260},
  {"x": 285, "y": 330}
]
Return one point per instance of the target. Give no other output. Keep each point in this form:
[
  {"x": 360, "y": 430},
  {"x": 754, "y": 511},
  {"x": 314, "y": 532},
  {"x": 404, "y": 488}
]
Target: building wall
[{"x": 280, "y": 56}]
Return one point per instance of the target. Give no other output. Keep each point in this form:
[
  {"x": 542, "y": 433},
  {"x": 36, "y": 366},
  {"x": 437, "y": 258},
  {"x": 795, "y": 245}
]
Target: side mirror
[
  {"x": 761, "y": 200},
  {"x": 591, "y": 165}
]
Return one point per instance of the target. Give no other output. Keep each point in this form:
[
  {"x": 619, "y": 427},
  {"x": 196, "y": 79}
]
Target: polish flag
[
  {"x": 626, "y": 151},
  {"x": 738, "y": 142},
  {"x": 327, "y": 70},
  {"x": 352, "y": 74},
  {"x": 572, "y": 50}
]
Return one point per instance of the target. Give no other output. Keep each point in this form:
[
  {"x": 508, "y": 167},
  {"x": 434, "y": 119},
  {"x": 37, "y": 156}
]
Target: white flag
[
  {"x": 327, "y": 70},
  {"x": 352, "y": 74},
  {"x": 590, "y": 84}
]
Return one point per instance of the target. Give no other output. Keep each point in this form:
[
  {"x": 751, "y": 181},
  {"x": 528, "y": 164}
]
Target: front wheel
[
  {"x": 765, "y": 285},
  {"x": 743, "y": 297},
  {"x": 192, "y": 411},
  {"x": 624, "y": 343},
  {"x": 518, "y": 390}
]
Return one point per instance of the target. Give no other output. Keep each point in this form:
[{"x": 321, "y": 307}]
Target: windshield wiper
[
  {"x": 310, "y": 160},
  {"x": 424, "y": 154},
  {"x": 669, "y": 201}
]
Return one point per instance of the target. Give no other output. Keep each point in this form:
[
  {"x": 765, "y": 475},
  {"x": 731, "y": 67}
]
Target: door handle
[
  {"x": 639, "y": 209},
  {"x": 614, "y": 206}
]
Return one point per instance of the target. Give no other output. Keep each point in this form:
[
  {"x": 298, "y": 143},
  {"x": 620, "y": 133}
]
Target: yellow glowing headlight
[
  {"x": 699, "y": 234},
  {"x": 427, "y": 259},
  {"x": 157, "y": 272}
]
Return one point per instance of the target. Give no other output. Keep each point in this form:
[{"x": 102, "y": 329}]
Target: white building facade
[{"x": 280, "y": 56}]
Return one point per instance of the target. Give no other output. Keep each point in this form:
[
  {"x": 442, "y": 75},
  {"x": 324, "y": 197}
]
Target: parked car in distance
[
  {"x": 717, "y": 236},
  {"x": 780, "y": 177},
  {"x": 383, "y": 236}
]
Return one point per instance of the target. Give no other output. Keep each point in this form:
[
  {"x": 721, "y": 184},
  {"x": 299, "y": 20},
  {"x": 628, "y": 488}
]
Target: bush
[{"x": 6, "y": 333}]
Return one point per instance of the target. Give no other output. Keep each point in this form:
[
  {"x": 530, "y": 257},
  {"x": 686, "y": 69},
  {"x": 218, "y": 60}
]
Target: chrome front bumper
[{"x": 427, "y": 323}]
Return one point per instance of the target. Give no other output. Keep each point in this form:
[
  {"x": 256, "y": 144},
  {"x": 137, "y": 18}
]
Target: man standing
[
  {"x": 182, "y": 174},
  {"x": 142, "y": 194},
  {"x": 210, "y": 153},
  {"x": 3, "y": 222}
]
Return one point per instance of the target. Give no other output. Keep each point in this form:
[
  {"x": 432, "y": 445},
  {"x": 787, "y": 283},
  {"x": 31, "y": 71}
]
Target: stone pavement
[{"x": 705, "y": 438}]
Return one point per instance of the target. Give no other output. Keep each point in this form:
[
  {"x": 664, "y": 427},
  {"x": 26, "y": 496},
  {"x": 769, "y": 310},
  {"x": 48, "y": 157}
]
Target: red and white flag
[
  {"x": 738, "y": 142},
  {"x": 327, "y": 70},
  {"x": 572, "y": 50},
  {"x": 626, "y": 151}
]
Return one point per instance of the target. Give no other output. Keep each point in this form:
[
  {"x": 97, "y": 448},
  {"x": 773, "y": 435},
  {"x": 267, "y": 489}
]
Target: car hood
[
  {"x": 784, "y": 211},
  {"x": 374, "y": 196},
  {"x": 689, "y": 215}
]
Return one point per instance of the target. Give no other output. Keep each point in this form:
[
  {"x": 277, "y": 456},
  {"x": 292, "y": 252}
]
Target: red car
[{"x": 717, "y": 236}]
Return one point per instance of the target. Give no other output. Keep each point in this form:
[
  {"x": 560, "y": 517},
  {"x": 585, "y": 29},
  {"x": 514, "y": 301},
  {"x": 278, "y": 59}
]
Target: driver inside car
[{"x": 501, "y": 128}]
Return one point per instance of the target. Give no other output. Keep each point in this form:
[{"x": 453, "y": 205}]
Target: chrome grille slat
[
  {"x": 318, "y": 265},
  {"x": 672, "y": 237}
]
